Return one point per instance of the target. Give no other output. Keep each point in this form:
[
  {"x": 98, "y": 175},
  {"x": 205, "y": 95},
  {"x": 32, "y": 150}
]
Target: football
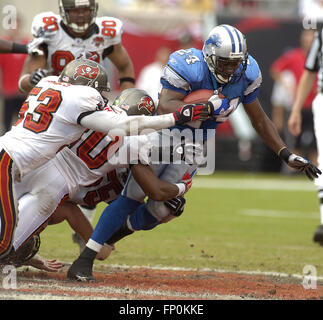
[{"x": 202, "y": 95}]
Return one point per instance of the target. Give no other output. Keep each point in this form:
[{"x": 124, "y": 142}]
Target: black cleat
[
  {"x": 81, "y": 270},
  {"x": 318, "y": 235}
]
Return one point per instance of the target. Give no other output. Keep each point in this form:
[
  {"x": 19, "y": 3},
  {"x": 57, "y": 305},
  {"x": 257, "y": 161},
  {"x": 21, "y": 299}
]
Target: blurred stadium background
[{"x": 271, "y": 26}]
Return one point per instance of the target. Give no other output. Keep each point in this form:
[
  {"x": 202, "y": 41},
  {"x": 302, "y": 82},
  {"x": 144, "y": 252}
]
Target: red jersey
[
  {"x": 294, "y": 61},
  {"x": 10, "y": 66}
]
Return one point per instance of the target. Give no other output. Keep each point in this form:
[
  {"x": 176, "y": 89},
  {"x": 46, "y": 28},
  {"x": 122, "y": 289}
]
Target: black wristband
[
  {"x": 126, "y": 79},
  {"x": 284, "y": 154},
  {"x": 19, "y": 48}
]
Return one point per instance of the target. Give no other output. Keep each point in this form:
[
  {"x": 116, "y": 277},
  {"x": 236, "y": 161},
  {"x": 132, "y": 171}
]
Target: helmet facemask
[
  {"x": 69, "y": 10},
  {"x": 225, "y": 53},
  {"x": 226, "y": 69},
  {"x": 104, "y": 94}
]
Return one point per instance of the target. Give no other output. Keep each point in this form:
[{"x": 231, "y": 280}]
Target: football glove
[
  {"x": 221, "y": 107},
  {"x": 299, "y": 163},
  {"x": 193, "y": 112},
  {"x": 33, "y": 47},
  {"x": 176, "y": 205},
  {"x": 187, "y": 180},
  {"x": 37, "y": 75},
  {"x": 191, "y": 153}
]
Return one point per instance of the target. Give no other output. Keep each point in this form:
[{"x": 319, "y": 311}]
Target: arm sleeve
[{"x": 122, "y": 125}]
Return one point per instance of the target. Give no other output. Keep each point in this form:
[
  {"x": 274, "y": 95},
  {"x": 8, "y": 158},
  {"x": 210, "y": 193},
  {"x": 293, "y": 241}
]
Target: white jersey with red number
[
  {"x": 63, "y": 48},
  {"x": 107, "y": 188},
  {"x": 49, "y": 119},
  {"x": 89, "y": 158}
]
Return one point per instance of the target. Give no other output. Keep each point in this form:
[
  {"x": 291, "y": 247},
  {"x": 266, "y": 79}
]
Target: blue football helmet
[{"x": 225, "y": 52}]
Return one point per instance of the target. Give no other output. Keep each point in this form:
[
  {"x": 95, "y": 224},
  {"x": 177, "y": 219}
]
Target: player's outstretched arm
[
  {"x": 264, "y": 126},
  {"x": 41, "y": 263},
  {"x": 121, "y": 125},
  {"x": 7, "y": 46},
  {"x": 299, "y": 163},
  {"x": 267, "y": 131},
  {"x": 32, "y": 48}
]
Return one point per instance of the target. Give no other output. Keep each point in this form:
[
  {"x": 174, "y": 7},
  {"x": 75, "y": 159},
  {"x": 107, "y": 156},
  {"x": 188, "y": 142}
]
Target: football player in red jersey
[{"x": 72, "y": 33}]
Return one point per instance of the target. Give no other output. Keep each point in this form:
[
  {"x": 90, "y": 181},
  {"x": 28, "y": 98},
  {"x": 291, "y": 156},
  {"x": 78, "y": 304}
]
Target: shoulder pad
[
  {"x": 88, "y": 97},
  {"x": 45, "y": 24},
  {"x": 110, "y": 28},
  {"x": 188, "y": 64},
  {"x": 253, "y": 76},
  {"x": 253, "y": 70}
]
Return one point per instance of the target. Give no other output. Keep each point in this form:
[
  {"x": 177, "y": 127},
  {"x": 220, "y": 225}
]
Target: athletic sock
[{"x": 88, "y": 254}]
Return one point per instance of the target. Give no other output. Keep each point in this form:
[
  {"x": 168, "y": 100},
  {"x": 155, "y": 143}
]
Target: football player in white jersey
[
  {"x": 86, "y": 161},
  {"x": 72, "y": 33},
  {"x": 56, "y": 113},
  {"x": 67, "y": 36}
]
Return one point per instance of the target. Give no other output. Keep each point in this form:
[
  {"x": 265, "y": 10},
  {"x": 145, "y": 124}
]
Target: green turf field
[{"x": 232, "y": 221}]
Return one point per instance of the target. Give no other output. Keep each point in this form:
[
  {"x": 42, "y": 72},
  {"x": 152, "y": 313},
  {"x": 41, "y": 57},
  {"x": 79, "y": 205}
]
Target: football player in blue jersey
[{"x": 223, "y": 66}]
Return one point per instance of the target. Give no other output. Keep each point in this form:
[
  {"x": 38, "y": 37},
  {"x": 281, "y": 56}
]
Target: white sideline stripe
[
  {"x": 46, "y": 296},
  {"x": 30, "y": 283},
  {"x": 12, "y": 296},
  {"x": 256, "y": 272},
  {"x": 256, "y": 184},
  {"x": 279, "y": 213}
]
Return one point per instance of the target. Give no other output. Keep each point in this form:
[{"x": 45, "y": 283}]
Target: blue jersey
[{"x": 187, "y": 71}]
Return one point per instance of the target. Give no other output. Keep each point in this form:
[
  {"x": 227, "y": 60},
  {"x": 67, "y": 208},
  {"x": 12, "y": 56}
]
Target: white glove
[
  {"x": 299, "y": 163},
  {"x": 41, "y": 36},
  {"x": 37, "y": 75},
  {"x": 222, "y": 107},
  {"x": 33, "y": 47}
]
